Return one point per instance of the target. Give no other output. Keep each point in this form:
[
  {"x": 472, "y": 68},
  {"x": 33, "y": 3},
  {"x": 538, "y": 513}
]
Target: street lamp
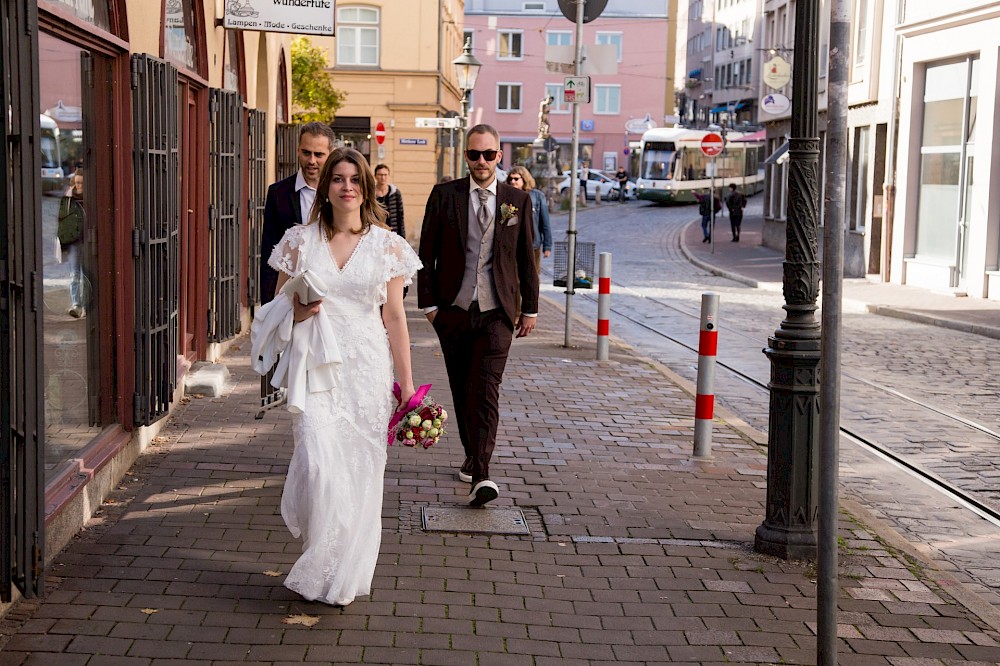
[
  {"x": 789, "y": 528},
  {"x": 466, "y": 73}
]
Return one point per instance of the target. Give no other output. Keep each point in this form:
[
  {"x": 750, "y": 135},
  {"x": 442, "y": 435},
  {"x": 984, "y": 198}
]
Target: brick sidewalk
[{"x": 637, "y": 553}]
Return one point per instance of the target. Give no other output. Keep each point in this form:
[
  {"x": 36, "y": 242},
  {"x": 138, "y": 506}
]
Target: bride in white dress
[{"x": 333, "y": 493}]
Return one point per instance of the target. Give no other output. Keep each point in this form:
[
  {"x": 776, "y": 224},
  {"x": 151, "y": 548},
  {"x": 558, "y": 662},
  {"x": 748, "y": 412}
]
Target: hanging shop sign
[
  {"x": 306, "y": 17},
  {"x": 777, "y": 73},
  {"x": 774, "y": 103}
]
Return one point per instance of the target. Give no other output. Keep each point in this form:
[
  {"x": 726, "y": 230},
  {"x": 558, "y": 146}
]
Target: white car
[{"x": 598, "y": 182}]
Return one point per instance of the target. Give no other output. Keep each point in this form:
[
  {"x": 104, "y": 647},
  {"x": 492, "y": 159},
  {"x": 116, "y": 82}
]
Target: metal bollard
[
  {"x": 603, "y": 306},
  {"x": 704, "y": 405}
]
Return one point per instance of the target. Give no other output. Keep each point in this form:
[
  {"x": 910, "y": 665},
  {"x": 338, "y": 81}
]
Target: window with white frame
[
  {"x": 612, "y": 38},
  {"x": 555, "y": 91},
  {"x": 469, "y": 36},
  {"x": 358, "y": 36},
  {"x": 860, "y": 32},
  {"x": 558, "y": 38},
  {"x": 509, "y": 97},
  {"x": 607, "y": 100},
  {"x": 509, "y": 45}
]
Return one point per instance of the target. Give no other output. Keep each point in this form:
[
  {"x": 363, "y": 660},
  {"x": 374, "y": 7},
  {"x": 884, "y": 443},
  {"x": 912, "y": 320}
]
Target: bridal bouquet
[{"x": 420, "y": 421}]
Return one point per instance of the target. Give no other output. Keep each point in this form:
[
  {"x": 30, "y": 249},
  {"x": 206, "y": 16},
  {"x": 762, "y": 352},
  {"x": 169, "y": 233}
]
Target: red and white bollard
[
  {"x": 704, "y": 404},
  {"x": 603, "y": 306}
]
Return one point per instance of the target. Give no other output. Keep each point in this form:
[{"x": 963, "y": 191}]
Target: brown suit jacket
[{"x": 442, "y": 248}]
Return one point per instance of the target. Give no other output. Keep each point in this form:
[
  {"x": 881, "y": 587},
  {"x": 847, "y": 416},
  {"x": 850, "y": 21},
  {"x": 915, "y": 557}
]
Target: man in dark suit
[
  {"x": 477, "y": 253},
  {"x": 289, "y": 200}
]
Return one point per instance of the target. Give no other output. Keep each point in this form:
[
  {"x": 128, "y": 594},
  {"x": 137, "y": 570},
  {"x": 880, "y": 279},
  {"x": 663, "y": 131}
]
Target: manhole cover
[{"x": 480, "y": 521}]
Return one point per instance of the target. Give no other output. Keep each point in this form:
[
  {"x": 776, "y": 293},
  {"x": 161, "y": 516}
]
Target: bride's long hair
[{"x": 372, "y": 213}]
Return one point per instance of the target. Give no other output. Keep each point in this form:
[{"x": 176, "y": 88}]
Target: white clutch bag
[{"x": 308, "y": 286}]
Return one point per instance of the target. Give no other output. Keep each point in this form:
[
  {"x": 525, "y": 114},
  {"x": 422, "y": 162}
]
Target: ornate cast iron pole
[{"x": 789, "y": 529}]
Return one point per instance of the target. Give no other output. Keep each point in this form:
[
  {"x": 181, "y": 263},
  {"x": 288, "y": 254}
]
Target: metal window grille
[
  {"x": 583, "y": 267},
  {"x": 22, "y": 415},
  {"x": 288, "y": 149},
  {"x": 224, "y": 224},
  {"x": 257, "y": 153},
  {"x": 155, "y": 236}
]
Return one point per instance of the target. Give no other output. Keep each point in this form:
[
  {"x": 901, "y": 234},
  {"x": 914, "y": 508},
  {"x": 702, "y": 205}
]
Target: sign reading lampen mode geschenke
[{"x": 307, "y": 17}]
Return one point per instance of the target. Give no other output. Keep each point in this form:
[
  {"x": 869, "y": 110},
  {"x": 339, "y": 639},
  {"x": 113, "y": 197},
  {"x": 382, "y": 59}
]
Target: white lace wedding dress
[{"x": 333, "y": 492}]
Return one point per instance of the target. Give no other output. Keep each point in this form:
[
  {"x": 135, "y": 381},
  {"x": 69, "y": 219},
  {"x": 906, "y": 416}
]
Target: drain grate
[{"x": 474, "y": 521}]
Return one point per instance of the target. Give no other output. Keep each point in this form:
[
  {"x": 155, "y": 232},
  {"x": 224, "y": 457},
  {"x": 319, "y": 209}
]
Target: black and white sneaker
[
  {"x": 483, "y": 492},
  {"x": 465, "y": 471}
]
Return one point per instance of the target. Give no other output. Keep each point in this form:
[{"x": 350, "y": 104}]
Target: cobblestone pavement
[
  {"x": 657, "y": 286},
  {"x": 638, "y": 554}
]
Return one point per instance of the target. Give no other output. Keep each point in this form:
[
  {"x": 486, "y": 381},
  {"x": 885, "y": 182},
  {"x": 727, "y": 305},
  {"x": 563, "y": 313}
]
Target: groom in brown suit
[{"x": 477, "y": 251}]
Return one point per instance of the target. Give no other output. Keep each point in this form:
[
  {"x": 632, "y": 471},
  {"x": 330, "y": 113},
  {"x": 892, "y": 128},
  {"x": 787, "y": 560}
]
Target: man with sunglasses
[{"x": 478, "y": 254}]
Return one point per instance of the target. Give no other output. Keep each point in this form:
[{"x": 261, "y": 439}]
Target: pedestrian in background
[
  {"x": 72, "y": 222},
  {"x": 521, "y": 178},
  {"x": 391, "y": 199},
  {"x": 289, "y": 200},
  {"x": 622, "y": 179},
  {"x": 735, "y": 202},
  {"x": 477, "y": 252},
  {"x": 707, "y": 204}
]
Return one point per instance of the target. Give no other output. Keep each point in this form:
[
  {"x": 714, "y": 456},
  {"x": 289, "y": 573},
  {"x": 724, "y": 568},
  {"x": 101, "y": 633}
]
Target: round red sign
[
  {"x": 711, "y": 144},
  {"x": 380, "y": 133}
]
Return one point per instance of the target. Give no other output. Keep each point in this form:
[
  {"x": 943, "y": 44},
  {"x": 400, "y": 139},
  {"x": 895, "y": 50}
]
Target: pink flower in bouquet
[{"x": 421, "y": 421}]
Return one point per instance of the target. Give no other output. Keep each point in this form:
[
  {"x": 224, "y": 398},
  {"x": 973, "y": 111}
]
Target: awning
[
  {"x": 759, "y": 135},
  {"x": 727, "y": 107},
  {"x": 780, "y": 156},
  {"x": 694, "y": 73}
]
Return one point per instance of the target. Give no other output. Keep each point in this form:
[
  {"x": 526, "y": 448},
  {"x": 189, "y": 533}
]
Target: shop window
[
  {"x": 69, "y": 271},
  {"x": 92, "y": 11},
  {"x": 946, "y": 158},
  {"x": 180, "y": 36},
  {"x": 358, "y": 36},
  {"x": 231, "y": 62}
]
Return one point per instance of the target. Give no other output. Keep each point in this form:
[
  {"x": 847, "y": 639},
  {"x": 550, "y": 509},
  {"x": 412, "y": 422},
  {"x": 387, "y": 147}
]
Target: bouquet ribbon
[{"x": 403, "y": 410}]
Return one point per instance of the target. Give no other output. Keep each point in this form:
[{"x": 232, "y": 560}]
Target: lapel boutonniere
[{"x": 507, "y": 213}]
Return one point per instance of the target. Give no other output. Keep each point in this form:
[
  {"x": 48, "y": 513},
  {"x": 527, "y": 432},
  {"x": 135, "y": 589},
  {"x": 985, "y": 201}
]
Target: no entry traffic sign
[
  {"x": 380, "y": 133},
  {"x": 711, "y": 144}
]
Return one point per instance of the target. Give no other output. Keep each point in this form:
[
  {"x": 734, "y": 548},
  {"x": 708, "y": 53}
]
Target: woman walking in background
[
  {"x": 391, "y": 199},
  {"x": 521, "y": 178}
]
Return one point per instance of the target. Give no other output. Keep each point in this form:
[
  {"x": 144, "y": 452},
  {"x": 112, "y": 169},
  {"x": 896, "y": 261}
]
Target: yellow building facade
[{"x": 394, "y": 62}]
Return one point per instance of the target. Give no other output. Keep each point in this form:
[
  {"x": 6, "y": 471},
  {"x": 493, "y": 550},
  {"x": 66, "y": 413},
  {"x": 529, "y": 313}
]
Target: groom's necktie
[{"x": 483, "y": 217}]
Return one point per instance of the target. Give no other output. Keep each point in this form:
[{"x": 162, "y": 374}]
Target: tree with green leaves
[{"x": 313, "y": 96}]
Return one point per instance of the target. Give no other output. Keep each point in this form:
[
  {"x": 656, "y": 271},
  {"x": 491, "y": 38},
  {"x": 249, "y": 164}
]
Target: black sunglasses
[
  {"x": 513, "y": 178},
  {"x": 474, "y": 155}
]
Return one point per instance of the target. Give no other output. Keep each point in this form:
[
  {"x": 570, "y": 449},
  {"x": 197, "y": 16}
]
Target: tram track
[{"x": 951, "y": 490}]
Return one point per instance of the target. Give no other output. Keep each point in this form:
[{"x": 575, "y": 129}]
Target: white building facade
[{"x": 946, "y": 233}]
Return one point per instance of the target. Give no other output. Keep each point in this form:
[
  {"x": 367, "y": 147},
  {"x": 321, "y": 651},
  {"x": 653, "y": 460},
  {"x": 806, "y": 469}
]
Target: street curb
[
  {"x": 943, "y": 322},
  {"x": 857, "y": 306},
  {"x": 958, "y": 589},
  {"x": 715, "y": 270}
]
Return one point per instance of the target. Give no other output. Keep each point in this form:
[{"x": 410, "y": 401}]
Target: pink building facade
[{"x": 510, "y": 40}]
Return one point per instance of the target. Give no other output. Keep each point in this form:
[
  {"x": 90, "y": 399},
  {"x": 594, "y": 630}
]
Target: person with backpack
[
  {"x": 707, "y": 204},
  {"x": 735, "y": 202}
]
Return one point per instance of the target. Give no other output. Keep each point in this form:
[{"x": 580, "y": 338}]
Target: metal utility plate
[{"x": 479, "y": 521}]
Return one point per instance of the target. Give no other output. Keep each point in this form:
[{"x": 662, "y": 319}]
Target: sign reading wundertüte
[{"x": 307, "y": 17}]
